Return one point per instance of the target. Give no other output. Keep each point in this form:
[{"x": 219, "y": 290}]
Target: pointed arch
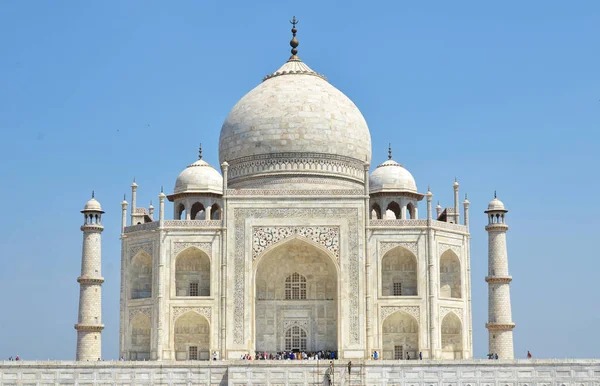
[
  {"x": 295, "y": 339},
  {"x": 293, "y": 280},
  {"x": 293, "y": 238},
  {"x": 191, "y": 337},
  {"x": 394, "y": 208},
  {"x": 215, "y": 212},
  {"x": 192, "y": 273},
  {"x": 181, "y": 212},
  {"x": 140, "y": 333},
  {"x": 400, "y": 336},
  {"x": 197, "y": 212},
  {"x": 140, "y": 276},
  {"x": 411, "y": 210},
  {"x": 452, "y": 337},
  {"x": 375, "y": 212},
  {"x": 450, "y": 275},
  {"x": 399, "y": 273}
]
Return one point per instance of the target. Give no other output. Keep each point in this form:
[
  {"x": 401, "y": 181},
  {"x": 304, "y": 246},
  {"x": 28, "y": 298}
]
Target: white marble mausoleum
[{"x": 292, "y": 244}]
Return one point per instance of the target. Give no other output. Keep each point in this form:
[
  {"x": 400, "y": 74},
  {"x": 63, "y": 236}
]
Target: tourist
[
  {"x": 214, "y": 356},
  {"x": 407, "y": 356},
  {"x": 496, "y": 356},
  {"x": 375, "y": 355},
  {"x": 420, "y": 356},
  {"x": 528, "y": 355},
  {"x": 17, "y": 358}
]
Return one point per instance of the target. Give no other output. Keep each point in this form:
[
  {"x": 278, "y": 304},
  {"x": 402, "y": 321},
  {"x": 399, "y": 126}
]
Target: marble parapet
[{"x": 542, "y": 372}]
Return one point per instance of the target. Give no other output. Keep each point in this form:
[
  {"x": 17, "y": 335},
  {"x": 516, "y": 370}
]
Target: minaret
[
  {"x": 89, "y": 325},
  {"x": 500, "y": 324},
  {"x": 123, "y": 214},
  {"x": 133, "y": 200},
  {"x": 456, "y": 209},
  {"x": 438, "y": 210},
  {"x": 466, "y": 204}
]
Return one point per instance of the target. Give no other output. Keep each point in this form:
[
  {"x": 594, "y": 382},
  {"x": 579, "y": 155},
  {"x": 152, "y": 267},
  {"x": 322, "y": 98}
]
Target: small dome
[
  {"x": 92, "y": 205},
  {"x": 390, "y": 176},
  {"x": 199, "y": 177},
  {"x": 496, "y": 205}
]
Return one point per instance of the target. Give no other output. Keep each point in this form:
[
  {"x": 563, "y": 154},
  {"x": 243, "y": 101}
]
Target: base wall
[{"x": 371, "y": 373}]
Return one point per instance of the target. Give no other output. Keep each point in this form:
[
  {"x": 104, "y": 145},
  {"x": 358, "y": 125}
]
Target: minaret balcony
[
  {"x": 90, "y": 280},
  {"x": 498, "y": 227},
  {"x": 498, "y": 279},
  {"x": 92, "y": 228},
  {"x": 89, "y": 327},
  {"x": 500, "y": 326}
]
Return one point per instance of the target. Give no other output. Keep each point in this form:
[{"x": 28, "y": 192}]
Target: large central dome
[{"x": 291, "y": 126}]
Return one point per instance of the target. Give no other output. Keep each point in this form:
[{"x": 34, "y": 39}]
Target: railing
[
  {"x": 398, "y": 223},
  {"x": 417, "y": 223},
  {"x": 449, "y": 225},
  {"x": 175, "y": 224},
  {"x": 193, "y": 223},
  {"x": 142, "y": 227}
]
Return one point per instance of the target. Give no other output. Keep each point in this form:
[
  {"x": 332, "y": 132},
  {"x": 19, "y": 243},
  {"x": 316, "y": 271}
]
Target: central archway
[{"x": 296, "y": 299}]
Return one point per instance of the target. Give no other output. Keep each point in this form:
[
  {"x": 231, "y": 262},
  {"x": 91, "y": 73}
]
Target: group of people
[
  {"x": 14, "y": 359},
  {"x": 292, "y": 355}
]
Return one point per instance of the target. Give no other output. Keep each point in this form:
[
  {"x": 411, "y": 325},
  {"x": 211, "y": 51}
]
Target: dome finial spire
[
  {"x": 93, "y": 194},
  {"x": 390, "y": 151},
  {"x": 200, "y": 151},
  {"x": 495, "y": 196},
  {"x": 294, "y": 42}
]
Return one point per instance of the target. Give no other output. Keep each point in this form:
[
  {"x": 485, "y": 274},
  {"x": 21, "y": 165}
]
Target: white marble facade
[{"x": 295, "y": 245}]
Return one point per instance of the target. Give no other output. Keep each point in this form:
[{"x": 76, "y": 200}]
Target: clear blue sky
[{"x": 504, "y": 96}]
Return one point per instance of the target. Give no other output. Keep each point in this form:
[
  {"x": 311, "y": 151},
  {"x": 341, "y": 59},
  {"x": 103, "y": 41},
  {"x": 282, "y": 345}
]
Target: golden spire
[{"x": 294, "y": 42}]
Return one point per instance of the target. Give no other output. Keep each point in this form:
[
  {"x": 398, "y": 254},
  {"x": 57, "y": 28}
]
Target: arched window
[
  {"x": 399, "y": 273},
  {"x": 411, "y": 211},
  {"x": 215, "y": 212},
  {"x": 192, "y": 273},
  {"x": 140, "y": 338},
  {"x": 192, "y": 337},
  {"x": 451, "y": 337},
  {"x": 400, "y": 332},
  {"x": 394, "y": 208},
  {"x": 140, "y": 276},
  {"x": 450, "y": 277},
  {"x": 295, "y": 287},
  {"x": 375, "y": 212},
  {"x": 295, "y": 339},
  {"x": 197, "y": 212},
  {"x": 181, "y": 214}
]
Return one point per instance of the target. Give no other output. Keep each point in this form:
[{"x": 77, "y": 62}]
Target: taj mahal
[
  {"x": 296, "y": 246},
  {"x": 293, "y": 244}
]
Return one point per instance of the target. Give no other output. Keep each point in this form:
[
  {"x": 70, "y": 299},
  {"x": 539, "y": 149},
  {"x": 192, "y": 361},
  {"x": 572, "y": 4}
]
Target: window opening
[
  {"x": 194, "y": 289},
  {"x": 398, "y": 351},
  {"x": 193, "y": 353},
  {"x": 295, "y": 287},
  {"x": 295, "y": 339},
  {"x": 397, "y": 289}
]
